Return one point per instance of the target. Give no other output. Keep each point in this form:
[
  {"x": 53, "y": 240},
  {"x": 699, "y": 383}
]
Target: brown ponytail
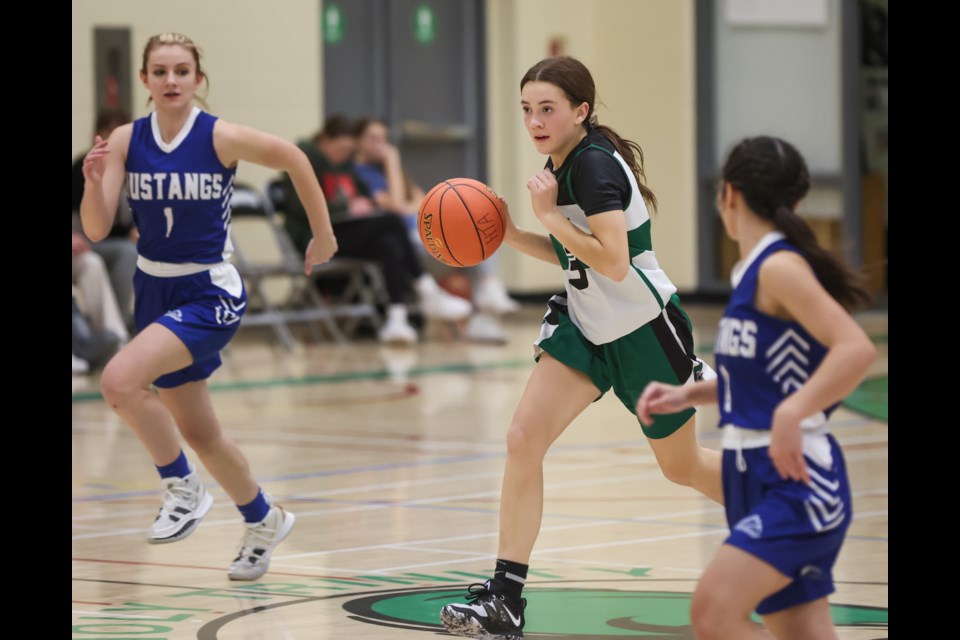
[
  {"x": 772, "y": 176},
  {"x": 633, "y": 155}
]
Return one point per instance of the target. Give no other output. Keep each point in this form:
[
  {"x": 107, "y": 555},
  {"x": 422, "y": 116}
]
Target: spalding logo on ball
[{"x": 461, "y": 222}]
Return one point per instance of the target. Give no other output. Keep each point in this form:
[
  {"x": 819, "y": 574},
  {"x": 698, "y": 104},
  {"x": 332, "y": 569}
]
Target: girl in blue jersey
[
  {"x": 619, "y": 325},
  {"x": 787, "y": 352},
  {"x": 179, "y": 165}
]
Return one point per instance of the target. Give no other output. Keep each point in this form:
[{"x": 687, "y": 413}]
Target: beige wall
[
  {"x": 641, "y": 54},
  {"x": 263, "y": 62},
  {"x": 264, "y": 66}
]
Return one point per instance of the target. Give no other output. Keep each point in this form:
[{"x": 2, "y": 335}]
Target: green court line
[
  {"x": 870, "y": 398},
  {"x": 381, "y": 374}
]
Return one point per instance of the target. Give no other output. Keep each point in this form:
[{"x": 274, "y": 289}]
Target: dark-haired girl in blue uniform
[
  {"x": 179, "y": 164},
  {"x": 787, "y": 352}
]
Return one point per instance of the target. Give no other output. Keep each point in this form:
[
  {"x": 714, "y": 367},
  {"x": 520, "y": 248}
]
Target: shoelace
[
  {"x": 176, "y": 495},
  {"x": 255, "y": 533},
  {"x": 478, "y": 592}
]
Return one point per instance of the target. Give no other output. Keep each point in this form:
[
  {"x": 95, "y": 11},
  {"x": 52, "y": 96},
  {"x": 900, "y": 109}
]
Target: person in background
[
  {"x": 119, "y": 248},
  {"x": 365, "y": 231},
  {"x": 98, "y": 328},
  {"x": 378, "y": 164}
]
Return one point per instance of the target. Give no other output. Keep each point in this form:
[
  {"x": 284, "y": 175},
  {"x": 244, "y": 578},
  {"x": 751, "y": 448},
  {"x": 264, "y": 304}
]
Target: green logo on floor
[{"x": 587, "y": 614}]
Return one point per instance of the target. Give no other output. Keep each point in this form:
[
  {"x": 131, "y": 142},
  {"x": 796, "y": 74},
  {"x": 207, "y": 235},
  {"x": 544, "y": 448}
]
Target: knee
[
  {"x": 706, "y": 616},
  {"x": 522, "y": 443},
  {"x": 678, "y": 471},
  {"x": 118, "y": 388}
]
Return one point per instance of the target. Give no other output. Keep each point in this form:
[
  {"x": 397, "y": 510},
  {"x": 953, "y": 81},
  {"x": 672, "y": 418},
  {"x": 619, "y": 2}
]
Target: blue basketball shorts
[
  {"x": 202, "y": 309},
  {"x": 796, "y": 528}
]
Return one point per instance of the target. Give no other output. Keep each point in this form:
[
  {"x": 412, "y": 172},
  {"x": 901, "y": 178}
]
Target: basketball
[{"x": 461, "y": 222}]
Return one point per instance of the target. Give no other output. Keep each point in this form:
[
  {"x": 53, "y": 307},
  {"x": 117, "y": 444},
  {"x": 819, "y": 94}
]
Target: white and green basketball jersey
[{"x": 594, "y": 179}]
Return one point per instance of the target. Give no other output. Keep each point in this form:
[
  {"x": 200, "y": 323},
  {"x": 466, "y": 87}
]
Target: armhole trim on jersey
[
  {"x": 213, "y": 145},
  {"x": 569, "y": 182},
  {"x": 626, "y": 205}
]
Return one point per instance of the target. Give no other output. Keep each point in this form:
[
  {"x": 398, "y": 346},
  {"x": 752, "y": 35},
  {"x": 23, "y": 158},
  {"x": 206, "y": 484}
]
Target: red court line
[{"x": 195, "y": 566}]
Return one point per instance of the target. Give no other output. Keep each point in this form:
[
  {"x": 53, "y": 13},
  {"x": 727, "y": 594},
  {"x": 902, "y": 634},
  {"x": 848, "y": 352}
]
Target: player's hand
[
  {"x": 94, "y": 162},
  {"x": 543, "y": 193},
  {"x": 658, "y": 398},
  {"x": 509, "y": 228},
  {"x": 786, "y": 446},
  {"x": 319, "y": 251}
]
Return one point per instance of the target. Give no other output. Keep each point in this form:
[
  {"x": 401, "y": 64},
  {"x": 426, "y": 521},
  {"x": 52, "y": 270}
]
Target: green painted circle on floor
[
  {"x": 870, "y": 398},
  {"x": 580, "y": 613}
]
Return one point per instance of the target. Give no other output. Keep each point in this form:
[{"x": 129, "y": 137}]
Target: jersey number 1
[
  {"x": 168, "y": 214},
  {"x": 727, "y": 398}
]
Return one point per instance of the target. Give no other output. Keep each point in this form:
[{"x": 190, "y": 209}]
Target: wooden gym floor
[{"x": 392, "y": 461}]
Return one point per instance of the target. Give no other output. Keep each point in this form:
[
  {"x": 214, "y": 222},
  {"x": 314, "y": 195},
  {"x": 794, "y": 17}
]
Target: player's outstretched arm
[{"x": 235, "y": 142}]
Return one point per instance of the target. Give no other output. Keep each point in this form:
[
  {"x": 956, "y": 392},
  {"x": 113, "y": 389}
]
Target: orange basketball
[{"x": 461, "y": 222}]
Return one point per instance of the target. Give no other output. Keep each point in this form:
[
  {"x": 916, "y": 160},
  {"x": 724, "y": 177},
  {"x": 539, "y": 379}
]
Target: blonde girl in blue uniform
[{"x": 179, "y": 164}]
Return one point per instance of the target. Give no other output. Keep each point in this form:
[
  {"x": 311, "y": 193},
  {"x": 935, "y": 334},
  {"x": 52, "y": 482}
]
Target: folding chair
[
  {"x": 365, "y": 291},
  {"x": 261, "y": 255}
]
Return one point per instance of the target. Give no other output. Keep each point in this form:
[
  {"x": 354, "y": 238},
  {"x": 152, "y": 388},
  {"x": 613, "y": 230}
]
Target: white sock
[
  {"x": 426, "y": 285},
  {"x": 397, "y": 313}
]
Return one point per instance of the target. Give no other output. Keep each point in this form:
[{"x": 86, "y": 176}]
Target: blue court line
[
  {"x": 375, "y": 467},
  {"x": 715, "y": 434},
  {"x": 314, "y": 474},
  {"x": 436, "y": 507},
  {"x": 365, "y": 469}
]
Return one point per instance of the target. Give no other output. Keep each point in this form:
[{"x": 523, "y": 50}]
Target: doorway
[{"x": 418, "y": 65}]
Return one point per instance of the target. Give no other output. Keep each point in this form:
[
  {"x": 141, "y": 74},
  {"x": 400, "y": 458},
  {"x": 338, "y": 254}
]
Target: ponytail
[
  {"x": 772, "y": 176},
  {"x": 632, "y": 154},
  {"x": 842, "y": 283}
]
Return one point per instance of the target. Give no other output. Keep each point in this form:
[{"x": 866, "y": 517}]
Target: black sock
[{"x": 512, "y": 575}]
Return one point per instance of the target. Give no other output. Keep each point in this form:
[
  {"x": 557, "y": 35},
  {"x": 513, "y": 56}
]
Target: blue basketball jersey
[
  {"x": 179, "y": 192},
  {"x": 761, "y": 359}
]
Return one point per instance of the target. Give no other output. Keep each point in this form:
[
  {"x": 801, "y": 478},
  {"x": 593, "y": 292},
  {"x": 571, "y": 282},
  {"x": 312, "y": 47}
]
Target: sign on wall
[
  {"x": 782, "y": 13},
  {"x": 424, "y": 24},
  {"x": 333, "y": 23}
]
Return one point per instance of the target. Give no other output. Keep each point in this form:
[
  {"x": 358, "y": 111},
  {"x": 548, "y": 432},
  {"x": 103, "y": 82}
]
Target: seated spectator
[
  {"x": 378, "y": 164},
  {"x": 98, "y": 333},
  {"x": 119, "y": 249},
  {"x": 91, "y": 350},
  {"x": 365, "y": 231}
]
